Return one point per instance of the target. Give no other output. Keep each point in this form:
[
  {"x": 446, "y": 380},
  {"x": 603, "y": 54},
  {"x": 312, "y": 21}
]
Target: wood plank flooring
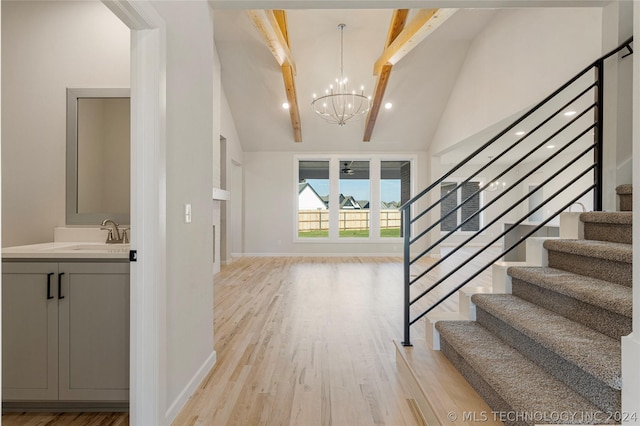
[
  {"x": 305, "y": 341},
  {"x": 299, "y": 341},
  {"x": 66, "y": 419}
]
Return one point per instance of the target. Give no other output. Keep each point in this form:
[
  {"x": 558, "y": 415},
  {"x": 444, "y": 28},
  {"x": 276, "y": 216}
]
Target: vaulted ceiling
[{"x": 419, "y": 84}]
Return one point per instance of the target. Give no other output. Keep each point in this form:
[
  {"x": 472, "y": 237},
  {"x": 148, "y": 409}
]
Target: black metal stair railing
[{"x": 573, "y": 171}]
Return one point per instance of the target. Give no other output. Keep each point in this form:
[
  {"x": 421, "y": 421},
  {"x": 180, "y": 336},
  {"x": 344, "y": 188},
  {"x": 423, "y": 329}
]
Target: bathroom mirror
[{"x": 98, "y": 156}]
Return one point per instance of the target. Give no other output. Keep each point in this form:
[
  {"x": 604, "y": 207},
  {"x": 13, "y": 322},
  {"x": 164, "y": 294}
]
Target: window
[
  {"x": 355, "y": 193},
  {"x": 453, "y": 198},
  {"x": 313, "y": 199},
  {"x": 351, "y": 198},
  {"x": 395, "y": 190}
]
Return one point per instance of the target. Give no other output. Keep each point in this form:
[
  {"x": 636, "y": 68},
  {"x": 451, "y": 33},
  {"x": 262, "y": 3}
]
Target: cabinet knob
[{"x": 60, "y": 296}]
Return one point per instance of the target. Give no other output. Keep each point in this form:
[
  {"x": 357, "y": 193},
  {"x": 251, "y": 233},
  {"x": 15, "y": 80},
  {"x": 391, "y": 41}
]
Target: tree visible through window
[{"x": 452, "y": 199}]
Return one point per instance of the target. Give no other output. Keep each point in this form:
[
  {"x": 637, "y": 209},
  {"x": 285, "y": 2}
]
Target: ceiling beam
[
  {"x": 268, "y": 27},
  {"x": 272, "y": 27},
  {"x": 398, "y": 20},
  {"x": 292, "y": 98},
  {"x": 421, "y": 25}
]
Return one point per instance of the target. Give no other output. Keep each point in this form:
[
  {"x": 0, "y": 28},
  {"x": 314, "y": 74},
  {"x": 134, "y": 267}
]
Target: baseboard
[
  {"x": 63, "y": 406},
  {"x": 350, "y": 254},
  {"x": 189, "y": 389},
  {"x": 631, "y": 388}
]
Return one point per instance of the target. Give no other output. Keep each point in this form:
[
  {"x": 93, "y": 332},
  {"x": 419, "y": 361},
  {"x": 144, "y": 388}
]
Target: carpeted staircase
[{"x": 549, "y": 353}]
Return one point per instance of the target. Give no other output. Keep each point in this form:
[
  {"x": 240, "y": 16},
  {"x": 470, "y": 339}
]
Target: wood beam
[
  {"x": 376, "y": 103},
  {"x": 268, "y": 27},
  {"x": 422, "y": 24},
  {"x": 398, "y": 20},
  {"x": 292, "y": 98},
  {"x": 272, "y": 27},
  {"x": 281, "y": 19}
]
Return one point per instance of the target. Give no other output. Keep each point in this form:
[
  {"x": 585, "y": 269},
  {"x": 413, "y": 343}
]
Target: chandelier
[{"x": 339, "y": 105}]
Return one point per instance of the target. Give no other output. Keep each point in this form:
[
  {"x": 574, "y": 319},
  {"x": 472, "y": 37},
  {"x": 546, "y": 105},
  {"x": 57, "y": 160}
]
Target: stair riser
[
  {"x": 594, "y": 390},
  {"x": 487, "y": 393},
  {"x": 614, "y": 233},
  {"x": 625, "y": 202},
  {"x": 606, "y": 322},
  {"x": 608, "y": 270}
]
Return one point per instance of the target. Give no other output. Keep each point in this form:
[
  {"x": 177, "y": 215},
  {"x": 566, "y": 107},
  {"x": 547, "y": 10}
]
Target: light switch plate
[{"x": 187, "y": 213}]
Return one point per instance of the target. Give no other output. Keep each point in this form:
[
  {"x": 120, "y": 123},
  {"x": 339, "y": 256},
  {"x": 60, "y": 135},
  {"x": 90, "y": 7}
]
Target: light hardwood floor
[
  {"x": 305, "y": 341},
  {"x": 299, "y": 341}
]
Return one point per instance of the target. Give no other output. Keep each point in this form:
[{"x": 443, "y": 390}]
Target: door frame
[{"x": 148, "y": 210}]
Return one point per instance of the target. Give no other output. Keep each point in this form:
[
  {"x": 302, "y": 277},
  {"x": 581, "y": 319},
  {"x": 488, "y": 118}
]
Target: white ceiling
[{"x": 419, "y": 86}]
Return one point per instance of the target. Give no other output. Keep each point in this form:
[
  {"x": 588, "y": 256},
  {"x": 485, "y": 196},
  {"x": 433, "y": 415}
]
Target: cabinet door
[
  {"x": 29, "y": 331},
  {"x": 94, "y": 332}
]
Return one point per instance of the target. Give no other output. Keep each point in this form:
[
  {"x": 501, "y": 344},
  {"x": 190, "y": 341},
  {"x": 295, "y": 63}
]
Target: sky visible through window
[{"x": 359, "y": 188}]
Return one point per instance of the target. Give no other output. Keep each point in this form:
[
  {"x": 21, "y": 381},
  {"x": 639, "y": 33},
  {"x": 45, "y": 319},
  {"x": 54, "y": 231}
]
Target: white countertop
[{"x": 67, "y": 250}]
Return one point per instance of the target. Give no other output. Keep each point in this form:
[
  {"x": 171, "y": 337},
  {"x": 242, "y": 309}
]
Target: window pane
[
  {"x": 471, "y": 206},
  {"x": 395, "y": 190},
  {"x": 355, "y": 193},
  {"x": 450, "y": 202},
  {"x": 313, "y": 199}
]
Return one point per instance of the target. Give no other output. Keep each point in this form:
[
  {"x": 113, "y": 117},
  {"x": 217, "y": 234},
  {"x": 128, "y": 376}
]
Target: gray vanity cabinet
[
  {"x": 29, "y": 331},
  {"x": 65, "y": 331}
]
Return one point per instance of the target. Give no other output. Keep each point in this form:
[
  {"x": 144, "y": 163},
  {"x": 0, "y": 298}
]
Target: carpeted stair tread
[
  {"x": 626, "y": 189},
  {"x": 610, "y": 296},
  {"x": 608, "y": 226},
  {"x": 625, "y": 195},
  {"x": 617, "y": 218},
  {"x": 593, "y": 352},
  {"x": 616, "y": 252},
  {"x": 522, "y": 384}
]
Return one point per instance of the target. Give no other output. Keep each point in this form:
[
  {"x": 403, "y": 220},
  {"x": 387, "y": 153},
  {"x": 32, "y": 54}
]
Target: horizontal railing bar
[
  {"x": 496, "y": 158},
  {"x": 514, "y": 185},
  {"x": 502, "y": 194},
  {"x": 504, "y": 172},
  {"x": 466, "y": 281},
  {"x": 518, "y": 222},
  {"x": 516, "y": 122}
]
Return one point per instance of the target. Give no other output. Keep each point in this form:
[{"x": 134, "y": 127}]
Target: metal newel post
[
  {"x": 407, "y": 277},
  {"x": 598, "y": 150}
]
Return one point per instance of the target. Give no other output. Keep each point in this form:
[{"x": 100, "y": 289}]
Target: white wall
[
  {"x": 521, "y": 56},
  {"x": 271, "y": 202},
  {"x": 617, "y": 27},
  {"x": 189, "y": 137},
  {"x": 47, "y": 47}
]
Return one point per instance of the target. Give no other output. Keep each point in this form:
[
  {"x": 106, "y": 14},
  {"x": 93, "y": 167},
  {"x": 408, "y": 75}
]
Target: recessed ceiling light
[
  {"x": 569, "y": 113},
  {"x": 388, "y": 105},
  {"x": 551, "y": 146},
  {"x": 520, "y": 133},
  {"x": 285, "y": 105}
]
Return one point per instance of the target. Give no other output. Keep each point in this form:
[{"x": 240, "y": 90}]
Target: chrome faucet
[{"x": 111, "y": 238}]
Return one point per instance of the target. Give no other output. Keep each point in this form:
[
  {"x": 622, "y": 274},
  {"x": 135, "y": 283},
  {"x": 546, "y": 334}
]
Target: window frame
[
  {"x": 334, "y": 194},
  {"x": 458, "y": 181}
]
